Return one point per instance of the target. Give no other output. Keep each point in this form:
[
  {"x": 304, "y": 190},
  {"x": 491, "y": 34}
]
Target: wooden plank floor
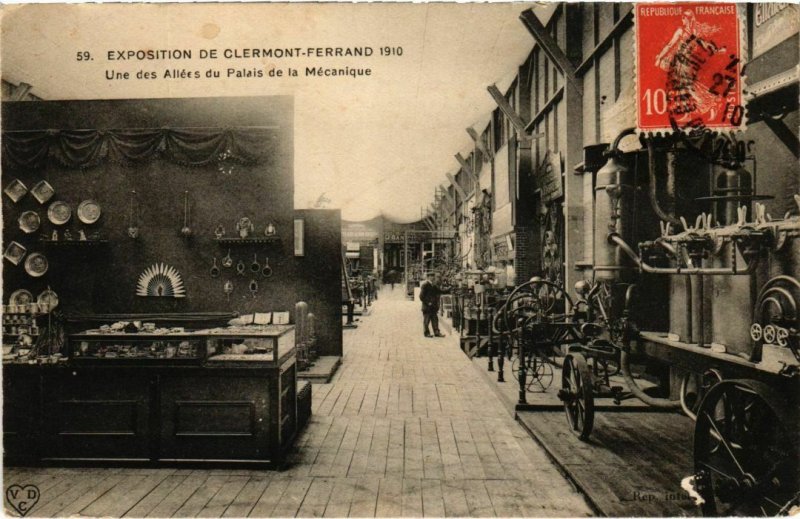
[
  {"x": 632, "y": 464},
  {"x": 405, "y": 428},
  {"x": 634, "y": 460}
]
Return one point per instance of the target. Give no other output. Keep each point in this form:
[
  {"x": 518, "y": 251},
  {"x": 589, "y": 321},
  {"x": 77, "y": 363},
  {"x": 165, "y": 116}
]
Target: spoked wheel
[
  {"x": 576, "y": 393},
  {"x": 540, "y": 374},
  {"x": 746, "y": 451},
  {"x": 536, "y": 297}
]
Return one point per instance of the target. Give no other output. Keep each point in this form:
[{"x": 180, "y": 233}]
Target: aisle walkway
[{"x": 406, "y": 428}]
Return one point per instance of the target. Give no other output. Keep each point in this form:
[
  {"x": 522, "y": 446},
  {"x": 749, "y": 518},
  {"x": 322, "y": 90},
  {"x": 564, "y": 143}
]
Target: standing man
[{"x": 429, "y": 293}]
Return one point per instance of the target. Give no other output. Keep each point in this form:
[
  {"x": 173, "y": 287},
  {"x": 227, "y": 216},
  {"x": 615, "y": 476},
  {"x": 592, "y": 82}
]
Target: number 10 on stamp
[{"x": 688, "y": 67}]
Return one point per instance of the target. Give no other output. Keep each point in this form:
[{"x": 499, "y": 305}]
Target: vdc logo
[{"x": 22, "y": 499}]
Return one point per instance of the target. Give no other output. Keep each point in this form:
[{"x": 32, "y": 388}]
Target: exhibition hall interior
[{"x": 552, "y": 270}]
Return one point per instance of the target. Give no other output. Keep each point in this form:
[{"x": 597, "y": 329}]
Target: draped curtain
[{"x": 88, "y": 148}]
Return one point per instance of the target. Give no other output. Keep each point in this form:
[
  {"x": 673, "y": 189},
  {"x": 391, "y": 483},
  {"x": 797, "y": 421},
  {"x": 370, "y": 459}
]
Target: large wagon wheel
[
  {"x": 577, "y": 394},
  {"x": 746, "y": 451}
]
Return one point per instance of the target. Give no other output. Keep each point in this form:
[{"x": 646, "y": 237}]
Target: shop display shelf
[
  {"x": 73, "y": 243},
  {"x": 245, "y": 241}
]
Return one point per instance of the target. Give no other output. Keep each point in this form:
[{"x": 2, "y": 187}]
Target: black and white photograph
[{"x": 505, "y": 259}]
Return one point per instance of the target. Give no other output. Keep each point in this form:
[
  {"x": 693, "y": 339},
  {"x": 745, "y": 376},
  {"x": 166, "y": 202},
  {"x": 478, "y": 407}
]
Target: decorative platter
[
  {"x": 36, "y": 265},
  {"x": 89, "y": 212},
  {"x": 20, "y": 297},
  {"x": 47, "y": 300},
  {"x": 59, "y": 213},
  {"x": 43, "y": 191},
  {"x": 29, "y": 221},
  {"x": 15, "y": 190},
  {"x": 15, "y": 252}
]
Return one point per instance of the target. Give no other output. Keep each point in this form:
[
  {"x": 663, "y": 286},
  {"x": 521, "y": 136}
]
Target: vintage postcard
[{"x": 508, "y": 259}]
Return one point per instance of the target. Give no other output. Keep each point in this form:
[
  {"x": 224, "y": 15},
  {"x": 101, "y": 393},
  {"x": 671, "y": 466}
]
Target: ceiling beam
[{"x": 551, "y": 48}]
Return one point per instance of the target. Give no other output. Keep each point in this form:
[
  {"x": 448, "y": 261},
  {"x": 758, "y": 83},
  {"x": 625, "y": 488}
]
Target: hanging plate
[
  {"x": 59, "y": 213},
  {"x": 43, "y": 191},
  {"x": 47, "y": 299},
  {"x": 29, "y": 221},
  {"x": 15, "y": 190},
  {"x": 20, "y": 297},
  {"x": 36, "y": 265},
  {"x": 15, "y": 252},
  {"x": 89, "y": 212}
]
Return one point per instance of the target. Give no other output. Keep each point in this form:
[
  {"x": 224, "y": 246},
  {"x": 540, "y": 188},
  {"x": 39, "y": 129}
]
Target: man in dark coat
[{"x": 429, "y": 293}]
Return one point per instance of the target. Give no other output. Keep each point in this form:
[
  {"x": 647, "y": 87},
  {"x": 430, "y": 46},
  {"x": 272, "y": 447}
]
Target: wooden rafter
[
  {"x": 478, "y": 141},
  {"x": 551, "y": 48},
  {"x": 508, "y": 110},
  {"x": 21, "y": 91},
  {"x": 448, "y": 196},
  {"x": 465, "y": 165},
  {"x": 457, "y": 186}
]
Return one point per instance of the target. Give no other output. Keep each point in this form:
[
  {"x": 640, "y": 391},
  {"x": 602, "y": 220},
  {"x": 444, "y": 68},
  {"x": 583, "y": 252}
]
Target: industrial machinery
[{"x": 693, "y": 281}]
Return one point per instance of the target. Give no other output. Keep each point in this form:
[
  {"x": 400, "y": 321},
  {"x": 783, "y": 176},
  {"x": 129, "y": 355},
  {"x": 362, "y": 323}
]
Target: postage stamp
[{"x": 688, "y": 70}]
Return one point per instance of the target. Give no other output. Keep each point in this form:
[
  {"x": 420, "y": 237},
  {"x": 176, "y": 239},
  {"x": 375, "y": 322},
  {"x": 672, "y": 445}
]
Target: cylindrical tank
[
  {"x": 588, "y": 216},
  {"x": 731, "y": 183},
  {"x": 592, "y": 161},
  {"x": 300, "y": 322},
  {"x": 613, "y": 211},
  {"x": 733, "y": 296},
  {"x": 680, "y": 309},
  {"x": 311, "y": 323}
]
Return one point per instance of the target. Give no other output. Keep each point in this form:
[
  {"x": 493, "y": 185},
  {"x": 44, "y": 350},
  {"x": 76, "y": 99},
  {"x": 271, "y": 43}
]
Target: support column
[{"x": 573, "y": 184}]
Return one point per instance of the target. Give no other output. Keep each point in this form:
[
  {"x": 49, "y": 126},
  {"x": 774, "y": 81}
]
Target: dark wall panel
[{"x": 102, "y": 278}]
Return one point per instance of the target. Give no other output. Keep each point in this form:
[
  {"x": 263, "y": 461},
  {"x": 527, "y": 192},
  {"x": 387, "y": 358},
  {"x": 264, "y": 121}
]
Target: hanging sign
[
  {"x": 773, "y": 23},
  {"x": 549, "y": 175}
]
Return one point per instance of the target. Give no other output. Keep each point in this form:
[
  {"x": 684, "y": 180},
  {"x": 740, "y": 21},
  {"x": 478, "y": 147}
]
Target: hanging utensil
[
  {"x": 219, "y": 232},
  {"x": 255, "y": 266},
  {"x": 133, "y": 216},
  {"x": 253, "y": 287},
  {"x": 227, "y": 261},
  {"x": 267, "y": 270},
  {"x": 214, "y": 269},
  {"x": 185, "y": 230},
  {"x": 240, "y": 268},
  {"x": 228, "y": 289}
]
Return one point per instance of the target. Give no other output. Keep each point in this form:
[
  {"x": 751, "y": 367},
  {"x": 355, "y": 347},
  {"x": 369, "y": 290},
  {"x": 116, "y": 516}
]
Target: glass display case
[
  {"x": 266, "y": 343},
  {"x": 141, "y": 393},
  {"x": 138, "y": 347},
  {"x": 270, "y": 344}
]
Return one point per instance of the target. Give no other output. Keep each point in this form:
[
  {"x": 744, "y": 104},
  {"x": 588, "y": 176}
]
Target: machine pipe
[
  {"x": 651, "y": 166},
  {"x": 617, "y": 240},
  {"x": 625, "y": 368}
]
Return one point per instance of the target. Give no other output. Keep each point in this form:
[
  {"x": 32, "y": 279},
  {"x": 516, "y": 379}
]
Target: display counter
[{"x": 222, "y": 394}]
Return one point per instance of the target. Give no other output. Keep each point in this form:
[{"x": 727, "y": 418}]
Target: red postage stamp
[{"x": 688, "y": 70}]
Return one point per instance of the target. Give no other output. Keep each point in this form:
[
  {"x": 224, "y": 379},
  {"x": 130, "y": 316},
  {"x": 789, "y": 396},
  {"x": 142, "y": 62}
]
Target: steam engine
[{"x": 704, "y": 288}]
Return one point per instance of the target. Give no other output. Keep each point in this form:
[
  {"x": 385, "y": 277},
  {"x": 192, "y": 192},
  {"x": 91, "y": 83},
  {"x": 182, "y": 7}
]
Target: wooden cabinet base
[{"x": 92, "y": 414}]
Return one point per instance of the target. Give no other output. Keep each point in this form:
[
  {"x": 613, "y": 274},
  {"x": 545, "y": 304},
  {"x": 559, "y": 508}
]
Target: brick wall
[{"x": 526, "y": 254}]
